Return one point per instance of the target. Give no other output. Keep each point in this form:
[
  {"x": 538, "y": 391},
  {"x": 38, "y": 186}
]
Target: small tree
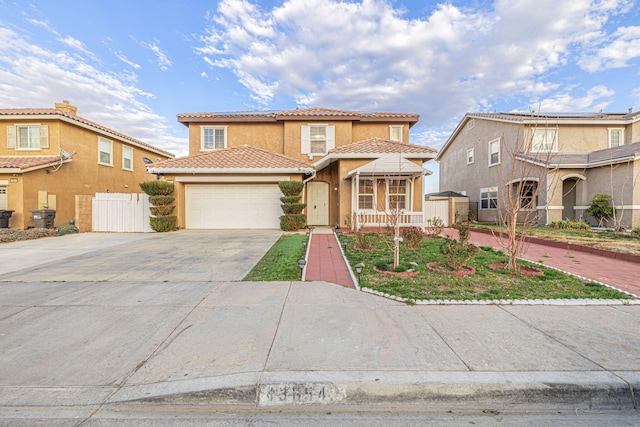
[
  {"x": 293, "y": 218},
  {"x": 161, "y": 200},
  {"x": 601, "y": 208}
]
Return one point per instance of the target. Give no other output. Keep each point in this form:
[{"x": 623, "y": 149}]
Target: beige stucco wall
[
  {"x": 268, "y": 136},
  {"x": 81, "y": 176}
]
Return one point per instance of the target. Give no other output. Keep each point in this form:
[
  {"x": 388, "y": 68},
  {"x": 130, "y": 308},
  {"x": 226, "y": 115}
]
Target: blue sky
[{"x": 134, "y": 65}]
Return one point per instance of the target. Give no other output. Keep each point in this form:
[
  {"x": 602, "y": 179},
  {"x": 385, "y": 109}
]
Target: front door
[{"x": 318, "y": 203}]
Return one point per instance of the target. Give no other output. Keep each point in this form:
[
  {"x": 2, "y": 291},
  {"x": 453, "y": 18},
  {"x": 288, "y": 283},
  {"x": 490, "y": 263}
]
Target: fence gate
[
  {"x": 121, "y": 212},
  {"x": 436, "y": 209}
]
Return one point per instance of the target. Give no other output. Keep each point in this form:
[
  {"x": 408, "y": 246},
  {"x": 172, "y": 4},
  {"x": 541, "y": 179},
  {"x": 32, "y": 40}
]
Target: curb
[{"x": 599, "y": 390}]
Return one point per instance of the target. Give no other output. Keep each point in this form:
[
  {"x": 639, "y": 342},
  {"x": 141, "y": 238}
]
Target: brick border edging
[{"x": 571, "y": 247}]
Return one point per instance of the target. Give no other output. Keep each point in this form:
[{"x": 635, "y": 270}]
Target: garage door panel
[{"x": 233, "y": 206}]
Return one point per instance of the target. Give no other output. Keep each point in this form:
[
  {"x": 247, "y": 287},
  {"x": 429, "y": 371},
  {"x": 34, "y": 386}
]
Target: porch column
[{"x": 354, "y": 204}]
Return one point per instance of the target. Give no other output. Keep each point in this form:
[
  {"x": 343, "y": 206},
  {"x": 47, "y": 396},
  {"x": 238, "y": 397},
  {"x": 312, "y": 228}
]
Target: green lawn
[
  {"x": 281, "y": 261},
  {"x": 485, "y": 284}
]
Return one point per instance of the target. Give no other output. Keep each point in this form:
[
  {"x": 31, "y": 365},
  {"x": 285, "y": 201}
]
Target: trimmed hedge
[
  {"x": 157, "y": 188},
  {"x": 162, "y": 210},
  {"x": 293, "y": 208},
  {"x": 161, "y": 200},
  {"x": 163, "y": 223},
  {"x": 292, "y": 222},
  {"x": 291, "y": 188},
  {"x": 290, "y": 199}
]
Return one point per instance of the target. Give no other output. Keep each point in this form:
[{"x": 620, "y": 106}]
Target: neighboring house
[
  {"x": 356, "y": 167},
  {"x": 569, "y": 157},
  {"x": 50, "y": 155}
]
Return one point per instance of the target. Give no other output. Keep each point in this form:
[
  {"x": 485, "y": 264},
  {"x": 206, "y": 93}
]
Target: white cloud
[
  {"x": 368, "y": 55},
  {"x": 31, "y": 76},
  {"x": 162, "y": 59},
  {"x": 621, "y": 47},
  {"x": 597, "y": 98}
]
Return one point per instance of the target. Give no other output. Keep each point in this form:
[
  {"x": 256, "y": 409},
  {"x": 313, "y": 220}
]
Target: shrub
[
  {"x": 163, "y": 223},
  {"x": 293, "y": 208},
  {"x": 635, "y": 232},
  {"x": 157, "y": 188},
  {"x": 463, "y": 232},
  {"x": 600, "y": 208},
  {"x": 365, "y": 241},
  {"x": 412, "y": 236},
  {"x": 434, "y": 227},
  {"x": 383, "y": 264},
  {"x": 67, "y": 229},
  {"x": 291, "y": 222},
  {"x": 456, "y": 254},
  {"x": 161, "y": 200},
  {"x": 291, "y": 188},
  {"x": 162, "y": 210},
  {"x": 290, "y": 199},
  {"x": 570, "y": 224}
]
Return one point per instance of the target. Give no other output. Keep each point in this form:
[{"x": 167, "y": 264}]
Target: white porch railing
[{"x": 384, "y": 219}]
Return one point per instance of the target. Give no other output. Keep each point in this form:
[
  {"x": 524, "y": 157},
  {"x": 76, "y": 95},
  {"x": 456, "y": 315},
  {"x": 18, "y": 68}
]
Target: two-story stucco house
[
  {"x": 569, "y": 158},
  {"x": 50, "y": 155},
  {"x": 355, "y": 166}
]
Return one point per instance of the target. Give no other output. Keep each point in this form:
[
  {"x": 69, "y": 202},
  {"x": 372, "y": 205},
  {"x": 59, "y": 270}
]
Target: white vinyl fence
[
  {"x": 436, "y": 209},
  {"x": 121, "y": 212}
]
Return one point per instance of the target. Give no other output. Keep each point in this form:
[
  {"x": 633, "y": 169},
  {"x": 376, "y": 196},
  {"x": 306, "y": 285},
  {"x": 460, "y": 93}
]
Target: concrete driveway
[{"x": 188, "y": 255}]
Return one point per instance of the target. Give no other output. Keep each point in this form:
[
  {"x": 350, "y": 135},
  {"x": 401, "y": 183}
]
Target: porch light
[
  {"x": 301, "y": 264},
  {"x": 359, "y": 266}
]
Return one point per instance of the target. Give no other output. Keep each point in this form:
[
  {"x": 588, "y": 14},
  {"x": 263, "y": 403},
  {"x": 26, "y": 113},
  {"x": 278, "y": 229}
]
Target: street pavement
[{"x": 105, "y": 326}]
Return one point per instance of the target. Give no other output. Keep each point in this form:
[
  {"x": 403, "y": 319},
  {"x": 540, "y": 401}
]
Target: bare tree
[{"x": 522, "y": 178}]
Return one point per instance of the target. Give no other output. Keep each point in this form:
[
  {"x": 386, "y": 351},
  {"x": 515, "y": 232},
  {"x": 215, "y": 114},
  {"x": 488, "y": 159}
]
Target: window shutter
[
  {"x": 11, "y": 137},
  {"x": 305, "y": 146},
  {"x": 331, "y": 138},
  {"x": 44, "y": 136}
]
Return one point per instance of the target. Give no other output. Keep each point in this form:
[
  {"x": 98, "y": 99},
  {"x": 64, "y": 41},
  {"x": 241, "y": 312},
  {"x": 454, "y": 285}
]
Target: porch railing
[{"x": 384, "y": 219}]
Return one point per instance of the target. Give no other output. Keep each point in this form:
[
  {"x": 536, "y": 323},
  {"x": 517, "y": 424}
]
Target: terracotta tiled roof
[
  {"x": 238, "y": 158},
  {"x": 381, "y": 146},
  {"x": 535, "y": 117},
  {"x": 298, "y": 114},
  {"x": 26, "y": 162},
  {"x": 59, "y": 112}
]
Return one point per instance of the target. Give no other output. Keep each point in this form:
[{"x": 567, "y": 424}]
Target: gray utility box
[
  {"x": 43, "y": 218},
  {"x": 4, "y": 218}
]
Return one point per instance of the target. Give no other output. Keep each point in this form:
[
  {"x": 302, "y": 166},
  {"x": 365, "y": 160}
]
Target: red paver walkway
[
  {"x": 620, "y": 274},
  {"x": 325, "y": 261}
]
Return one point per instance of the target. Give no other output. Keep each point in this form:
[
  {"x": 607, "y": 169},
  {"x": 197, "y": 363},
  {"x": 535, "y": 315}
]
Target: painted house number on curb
[{"x": 288, "y": 393}]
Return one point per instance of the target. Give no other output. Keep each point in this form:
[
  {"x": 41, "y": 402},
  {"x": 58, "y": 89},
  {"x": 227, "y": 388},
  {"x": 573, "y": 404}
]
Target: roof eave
[{"x": 229, "y": 170}]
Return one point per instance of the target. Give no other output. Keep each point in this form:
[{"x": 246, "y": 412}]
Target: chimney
[
  {"x": 630, "y": 110},
  {"x": 66, "y": 107}
]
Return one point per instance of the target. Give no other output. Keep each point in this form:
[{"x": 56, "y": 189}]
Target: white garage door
[{"x": 233, "y": 206}]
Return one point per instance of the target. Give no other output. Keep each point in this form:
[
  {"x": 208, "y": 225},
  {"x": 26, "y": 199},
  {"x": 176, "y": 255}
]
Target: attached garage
[{"x": 232, "y": 206}]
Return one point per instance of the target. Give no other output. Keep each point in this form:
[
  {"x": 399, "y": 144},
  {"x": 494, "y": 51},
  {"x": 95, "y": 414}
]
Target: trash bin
[
  {"x": 4, "y": 218},
  {"x": 43, "y": 218}
]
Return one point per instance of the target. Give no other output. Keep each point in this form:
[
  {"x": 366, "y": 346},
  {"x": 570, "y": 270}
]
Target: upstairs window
[
  {"x": 365, "y": 194},
  {"x": 127, "y": 158},
  {"x": 397, "y": 194},
  {"x": 27, "y": 137},
  {"x": 543, "y": 140},
  {"x": 213, "y": 138},
  {"x": 494, "y": 152},
  {"x": 470, "y": 156},
  {"x": 395, "y": 133},
  {"x": 317, "y": 139},
  {"x": 616, "y": 137},
  {"x": 105, "y": 152}
]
